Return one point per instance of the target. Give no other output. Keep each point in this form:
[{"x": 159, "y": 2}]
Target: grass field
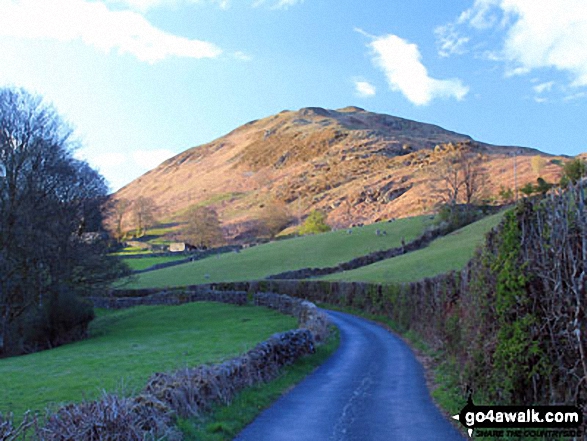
[
  {"x": 127, "y": 346},
  {"x": 447, "y": 253},
  {"x": 258, "y": 262},
  {"x": 146, "y": 262}
]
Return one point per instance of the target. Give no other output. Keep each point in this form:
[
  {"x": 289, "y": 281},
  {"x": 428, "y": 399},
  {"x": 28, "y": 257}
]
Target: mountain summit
[{"x": 355, "y": 165}]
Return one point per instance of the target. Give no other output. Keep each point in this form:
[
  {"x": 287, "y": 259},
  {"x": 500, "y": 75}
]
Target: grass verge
[{"x": 225, "y": 422}]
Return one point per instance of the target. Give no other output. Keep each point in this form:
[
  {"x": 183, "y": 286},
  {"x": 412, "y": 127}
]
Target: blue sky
[{"x": 142, "y": 80}]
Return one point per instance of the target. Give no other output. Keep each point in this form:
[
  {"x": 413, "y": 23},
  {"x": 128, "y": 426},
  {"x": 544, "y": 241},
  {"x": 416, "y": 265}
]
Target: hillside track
[{"x": 371, "y": 389}]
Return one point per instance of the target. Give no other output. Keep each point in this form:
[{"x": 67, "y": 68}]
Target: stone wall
[
  {"x": 309, "y": 316},
  {"x": 172, "y": 298},
  {"x": 186, "y": 392},
  {"x": 358, "y": 262}
]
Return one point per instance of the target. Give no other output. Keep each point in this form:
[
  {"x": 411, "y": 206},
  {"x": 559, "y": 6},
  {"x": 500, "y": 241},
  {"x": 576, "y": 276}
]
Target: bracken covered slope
[{"x": 356, "y": 165}]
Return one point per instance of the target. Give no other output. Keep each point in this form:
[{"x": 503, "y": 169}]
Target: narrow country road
[{"x": 371, "y": 389}]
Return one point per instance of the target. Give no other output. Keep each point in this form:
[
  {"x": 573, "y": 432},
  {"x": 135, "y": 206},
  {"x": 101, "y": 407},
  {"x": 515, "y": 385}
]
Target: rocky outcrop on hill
[{"x": 355, "y": 165}]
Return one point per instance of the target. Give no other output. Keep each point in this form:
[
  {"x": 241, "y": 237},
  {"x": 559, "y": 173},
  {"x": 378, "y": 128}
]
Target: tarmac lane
[{"x": 371, "y": 388}]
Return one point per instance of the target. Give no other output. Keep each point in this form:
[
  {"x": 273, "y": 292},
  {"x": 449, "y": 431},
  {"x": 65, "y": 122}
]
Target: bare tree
[
  {"x": 473, "y": 176},
  {"x": 48, "y": 202},
  {"x": 119, "y": 209},
  {"x": 203, "y": 228},
  {"x": 450, "y": 183},
  {"x": 144, "y": 214},
  {"x": 461, "y": 176},
  {"x": 274, "y": 218}
]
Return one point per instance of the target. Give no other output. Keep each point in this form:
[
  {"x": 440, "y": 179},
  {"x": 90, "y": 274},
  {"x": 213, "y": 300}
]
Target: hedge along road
[{"x": 372, "y": 388}]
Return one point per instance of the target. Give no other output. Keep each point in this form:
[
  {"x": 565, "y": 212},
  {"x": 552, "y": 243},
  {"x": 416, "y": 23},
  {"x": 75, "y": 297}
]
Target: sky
[{"x": 143, "y": 80}]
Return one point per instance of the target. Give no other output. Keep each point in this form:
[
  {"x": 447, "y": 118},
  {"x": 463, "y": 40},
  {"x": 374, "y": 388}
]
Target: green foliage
[
  {"x": 542, "y": 186},
  {"x": 573, "y": 171},
  {"x": 514, "y": 335},
  {"x": 509, "y": 322},
  {"x": 314, "y": 224},
  {"x": 506, "y": 194},
  {"x": 528, "y": 189},
  {"x": 454, "y": 217}
]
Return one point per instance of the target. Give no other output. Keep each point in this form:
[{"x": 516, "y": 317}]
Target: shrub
[
  {"x": 62, "y": 318},
  {"x": 110, "y": 418},
  {"x": 315, "y": 223}
]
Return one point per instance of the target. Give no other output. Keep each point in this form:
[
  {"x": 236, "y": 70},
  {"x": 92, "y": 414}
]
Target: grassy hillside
[
  {"x": 447, "y": 253},
  {"x": 355, "y": 165},
  {"x": 258, "y": 262},
  {"x": 127, "y": 346},
  {"x": 146, "y": 262}
]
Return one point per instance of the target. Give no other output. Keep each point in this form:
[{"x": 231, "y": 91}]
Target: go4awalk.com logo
[{"x": 522, "y": 421}]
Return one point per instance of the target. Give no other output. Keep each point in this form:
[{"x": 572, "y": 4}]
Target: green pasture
[
  {"x": 137, "y": 264},
  {"x": 321, "y": 250},
  {"x": 445, "y": 254},
  {"x": 126, "y": 347}
]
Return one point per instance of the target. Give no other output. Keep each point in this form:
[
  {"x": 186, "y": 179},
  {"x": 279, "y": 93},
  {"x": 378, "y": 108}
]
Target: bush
[
  {"x": 111, "y": 418},
  {"x": 573, "y": 171},
  {"x": 62, "y": 319},
  {"x": 315, "y": 223},
  {"x": 453, "y": 217}
]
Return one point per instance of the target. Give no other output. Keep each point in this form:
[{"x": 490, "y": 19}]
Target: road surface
[{"x": 372, "y": 388}]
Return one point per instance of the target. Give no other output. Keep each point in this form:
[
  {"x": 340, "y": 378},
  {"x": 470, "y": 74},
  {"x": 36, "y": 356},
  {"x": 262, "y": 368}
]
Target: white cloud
[
  {"x": 576, "y": 96},
  {"x": 277, "y": 4},
  {"x": 97, "y": 26},
  {"x": 538, "y": 34},
  {"x": 449, "y": 41},
  {"x": 286, "y": 3},
  {"x": 482, "y": 15},
  {"x": 242, "y": 56},
  {"x": 543, "y": 87},
  {"x": 145, "y": 5},
  {"x": 402, "y": 65},
  {"x": 148, "y": 159},
  {"x": 364, "y": 89}
]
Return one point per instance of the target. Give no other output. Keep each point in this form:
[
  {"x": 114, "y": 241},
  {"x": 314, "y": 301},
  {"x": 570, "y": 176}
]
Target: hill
[{"x": 357, "y": 166}]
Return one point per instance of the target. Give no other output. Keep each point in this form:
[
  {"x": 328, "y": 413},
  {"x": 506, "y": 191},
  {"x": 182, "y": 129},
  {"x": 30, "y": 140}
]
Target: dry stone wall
[
  {"x": 187, "y": 392},
  {"x": 172, "y": 298}
]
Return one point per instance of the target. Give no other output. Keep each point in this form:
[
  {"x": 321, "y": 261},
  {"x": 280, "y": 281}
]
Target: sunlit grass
[
  {"x": 447, "y": 253},
  {"x": 322, "y": 250},
  {"x": 127, "y": 346}
]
